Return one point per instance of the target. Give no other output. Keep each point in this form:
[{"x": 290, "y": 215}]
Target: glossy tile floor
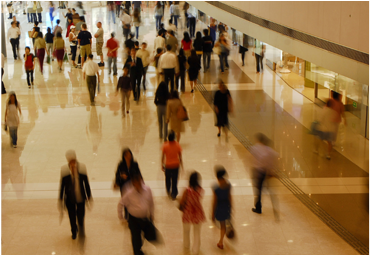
[{"x": 57, "y": 116}]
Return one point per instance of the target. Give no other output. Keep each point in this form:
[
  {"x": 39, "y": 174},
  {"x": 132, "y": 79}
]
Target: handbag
[
  {"x": 217, "y": 50},
  {"x": 65, "y": 58},
  {"x": 183, "y": 205},
  {"x": 182, "y": 113},
  {"x": 229, "y": 233},
  {"x": 48, "y": 59}
]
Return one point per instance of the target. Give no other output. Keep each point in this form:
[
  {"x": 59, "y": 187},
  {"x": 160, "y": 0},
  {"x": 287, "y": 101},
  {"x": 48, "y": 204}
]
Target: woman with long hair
[
  {"x": 59, "y": 48},
  {"x": 223, "y": 104},
  {"x": 186, "y": 44},
  {"x": 161, "y": 98},
  {"x": 193, "y": 212},
  {"x": 70, "y": 24},
  {"x": 198, "y": 45},
  {"x": 194, "y": 67},
  {"x": 136, "y": 22},
  {"x": 173, "y": 105},
  {"x": 40, "y": 45},
  {"x": 12, "y": 118}
]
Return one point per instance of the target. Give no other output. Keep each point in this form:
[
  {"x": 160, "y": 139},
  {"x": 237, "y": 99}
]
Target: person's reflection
[
  {"x": 194, "y": 115},
  {"x": 33, "y": 110},
  {"x": 62, "y": 97},
  {"x": 94, "y": 128},
  {"x": 12, "y": 170}
]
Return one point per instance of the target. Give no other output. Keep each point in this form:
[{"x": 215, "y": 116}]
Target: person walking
[
  {"x": 171, "y": 162},
  {"x": 176, "y": 13},
  {"x": 212, "y": 30},
  {"x": 75, "y": 191},
  {"x": 111, "y": 11},
  {"x": 136, "y": 71},
  {"x": 182, "y": 69},
  {"x": 112, "y": 46},
  {"x": 140, "y": 207},
  {"x": 207, "y": 49},
  {"x": 161, "y": 98},
  {"x": 126, "y": 24},
  {"x": 13, "y": 35},
  {"x": 40, "y": 45},
  {"x": 59, "y": 49},
  {"x": 72, "y": 38},
  {"x": 194, "y": 67},
  {"x": 136, "y": 21},
  {"x": 129, "y": 44},
  {"x": 99, "y": 42},
  {"x": 338, "y": 106},
  {"x": 159, "y": 13},
  {"x": 118, "y": 8},
  {"x": 264, "y": 162},
  {"x": 125, "y": 169},
  {"x": 39, "y": 11},
  {"x": 258, "y": 52},
  {"x": 186, "y": 45},
  {"x": 173, "y": 105},
  {"x": 222, "y": 202},
  {"x": 57, "y": 28},
  {"x": 51, "y": 10},
  {"x": 159, "y": 42},
  {"x": 144, "y": 54},
  {"x": 49, "y": 39},
  {"x": 192, "y": 24},
  {"x": 89, "y": 72},
  {"x": 168, "y": 65},
  {"x": 29, "y": 65},
  {"x": 70, "y": 24},
  {"x": 159, "y": 76},
  {"x": 85, "y": 42},
  {"x": 35, "y": 31},
  {"x": 242, "y": 51},
  {"x": 172, "y": 41},
  {"x": 193, "y": 212},
  {"x": 223, "y": 104},
  {"x": 223, "y": 56},
  {"x": 124, "y": 84},
  {"x": 12, "y": 118}
]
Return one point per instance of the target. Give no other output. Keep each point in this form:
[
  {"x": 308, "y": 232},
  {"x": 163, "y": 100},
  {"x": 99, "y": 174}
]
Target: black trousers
[
  {"x": 15, "y": 46},
  {"x": 145, "y": 69},
  {"x": 29, "y": 74},
  {"x": 243, "y": 58},
  {"x": 73, "y": 51},
  {"x": 192, "y": 26},
  {"x": 2, "y": 83},
  {"x": 135, "y": 84},
  {"x": 171, "y": 180},
  {"x": 259, "y": 61},
  {"x": 76, "y": 210},
  {"x": 181, "y": 76},
  {"x": 169, "y": 76},
  {"x": 259, "y": 178},
  {"x": 137, "y": 226}
]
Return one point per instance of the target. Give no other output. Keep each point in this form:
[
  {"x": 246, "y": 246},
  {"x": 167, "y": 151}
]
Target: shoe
[
  {"x": 192, "y": 91},
  {"x": 218, "y": 134},
  {"x": 29, "y": 87},
  {"x": 127, "y": 112},
  {"x": 73, "y": 236},
  {"x": 32, "y": 83},
  {"x": 256, "y": 211},
  {"x": 220, "y": 246},
  {"x": 14, "y": 146},
  {"x": 328, "y": 157},
  {"x": 115, "y": 74}
]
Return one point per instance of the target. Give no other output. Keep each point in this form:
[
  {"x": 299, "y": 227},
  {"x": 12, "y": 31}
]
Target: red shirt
[
  {"x": 29, "y": 62},
  {"x": 186, "y": 46},
  {"x": 112, "y": 44},
  {"x": 172, "y": 151}
]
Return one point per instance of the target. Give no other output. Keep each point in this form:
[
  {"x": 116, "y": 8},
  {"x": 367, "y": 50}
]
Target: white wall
[
  {"x": 334, "y": 62},
  {"x": 344, "y": 23}
]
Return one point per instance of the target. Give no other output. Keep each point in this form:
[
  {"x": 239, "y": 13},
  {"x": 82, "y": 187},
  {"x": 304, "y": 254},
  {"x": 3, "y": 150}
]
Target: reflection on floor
[{"x": 57, "y": 116}]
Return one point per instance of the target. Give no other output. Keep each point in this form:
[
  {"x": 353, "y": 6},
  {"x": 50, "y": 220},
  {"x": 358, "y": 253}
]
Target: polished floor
[{"x": 57, "y": 116}]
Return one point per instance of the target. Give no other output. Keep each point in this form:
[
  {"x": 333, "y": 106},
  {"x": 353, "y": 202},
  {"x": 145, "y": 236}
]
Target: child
[
  {"x": 29, "y": 65},
  {"x": 125, "y": 86},
  {"x": 12, "y": 118},
  {"x": 222, "y": 202}
]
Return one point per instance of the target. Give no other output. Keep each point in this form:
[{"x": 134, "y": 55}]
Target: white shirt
[
  {"x": 266, "y": 158},
  {"x": 139, "y": 205},
  {"x": 12, "y": 118},
  {"x": 168, "y": 60},
  {"x": 159, "y": 43},
  {"x": 144, "y": 55},
  {"x": 90, "y": 68},
  {"x": 125, "y": 18},
  {"x": 13, "y": 32}
]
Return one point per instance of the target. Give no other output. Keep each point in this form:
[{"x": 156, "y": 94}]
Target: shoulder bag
[{"x": 182, "y": 113}]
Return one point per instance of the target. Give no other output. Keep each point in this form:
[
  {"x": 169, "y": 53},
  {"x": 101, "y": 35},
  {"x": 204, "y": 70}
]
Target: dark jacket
[
  {"x": 124, "y": 83},
  {"x": 161, "y": 97},
  {"x": 136, "y": 70},
  {"x": 123, "y": 169},
  {"x": 67, "y": 191},
  {"x": 198, "y": 45},
  {"x": 208, "y": 44}
]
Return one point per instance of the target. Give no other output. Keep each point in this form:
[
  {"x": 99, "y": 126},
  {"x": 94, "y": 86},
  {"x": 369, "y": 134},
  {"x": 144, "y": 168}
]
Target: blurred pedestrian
[
  {"x": 161, "y": 98},
  {"x": 207, "y": 49},
  {"x": 89, "y": 71},
  {"x": 159, "y": 42},
  {"x": 13, "y": 36},
  {"x": 40, "y": 45},
  {"x": 173, "y": 105},
  {"x": 159, "y": 13},
  {"x": 99, "y": 43},
  {"x": 126, "y": 24},
  {"x": 3, "y": 90},
  {"x": 139, "y": 203},
  {"x": 176, "y": 13},
  {"x": 264, "y": 164},
  {"x": 85, "y": 42},
  {"x": 186, "y": 44},
  {"x": 29, "y": 65},
  {"x": 72, "y": 38},
  {"x": 193, "y": 212},
  {"x": 111, "y": 11},
  {"x": 124, "y": 85},
  {"x": 70, "y": 24},
  {"x": 57, "y": 28},
  {"x": 168, "y": 65},
  {"x": 59, "y": 49},
  {"x": 12, "y": 118},
  {"x": 51, "y": 10},
  {"x": 338, "y": 106},
  {"x": 136, "y": 22},
  {"x": 224, "y": 52},
  {"x": 192, "y": 24},
  {"x": 258, "y": 52},
  {"x": 136, "y": 71},
  {"x": 74, "y": 191},
  {"x": 159, "y": 76},
  {"x": 223, "y": 105},
  {"x": 171, "y": 161},
  {"x": 172, "y": 41},
  {"x": 49, "y": 39},
  {"x": 194, "y": 68},
  {"x": 222, "y": 202},
  {"x": 182, "y": 69},
  {"x": 112, "y": 46},
  {"x": 144, "y": 54}
]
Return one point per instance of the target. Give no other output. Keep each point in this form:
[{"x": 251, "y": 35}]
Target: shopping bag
[
  {"x": 98, "y": 87},
  {"x": 48, "y": 59},
  {"x": 65, "y": 57}
]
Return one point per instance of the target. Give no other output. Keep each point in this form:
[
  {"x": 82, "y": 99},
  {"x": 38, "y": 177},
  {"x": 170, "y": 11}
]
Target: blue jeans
[
  {"x": 114, "y": 60},
  {"x": 158, "y": 22},
  {"x": 137, "y": 32},
  {"x": 176, "y": 17},
  {"x": 206, "y": 58},
  {"x": 223, "y": 57},
  {"x": 111, "y": 13},
  {"x": 13, "y": 134}
]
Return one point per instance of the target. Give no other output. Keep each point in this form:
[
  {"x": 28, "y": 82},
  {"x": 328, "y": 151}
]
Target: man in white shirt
[
  {"x": 89, "y": 70},
  {"x": 126, "y": 24},
  {"x": 139, "y": 203},
  {"x": 169, "y": 66},
  {"x": 143, "y": 54},
  {"x": 264, "y": 163},
  {"x": 13, "y": 35},
  {"x": 159, "y": 42}
]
